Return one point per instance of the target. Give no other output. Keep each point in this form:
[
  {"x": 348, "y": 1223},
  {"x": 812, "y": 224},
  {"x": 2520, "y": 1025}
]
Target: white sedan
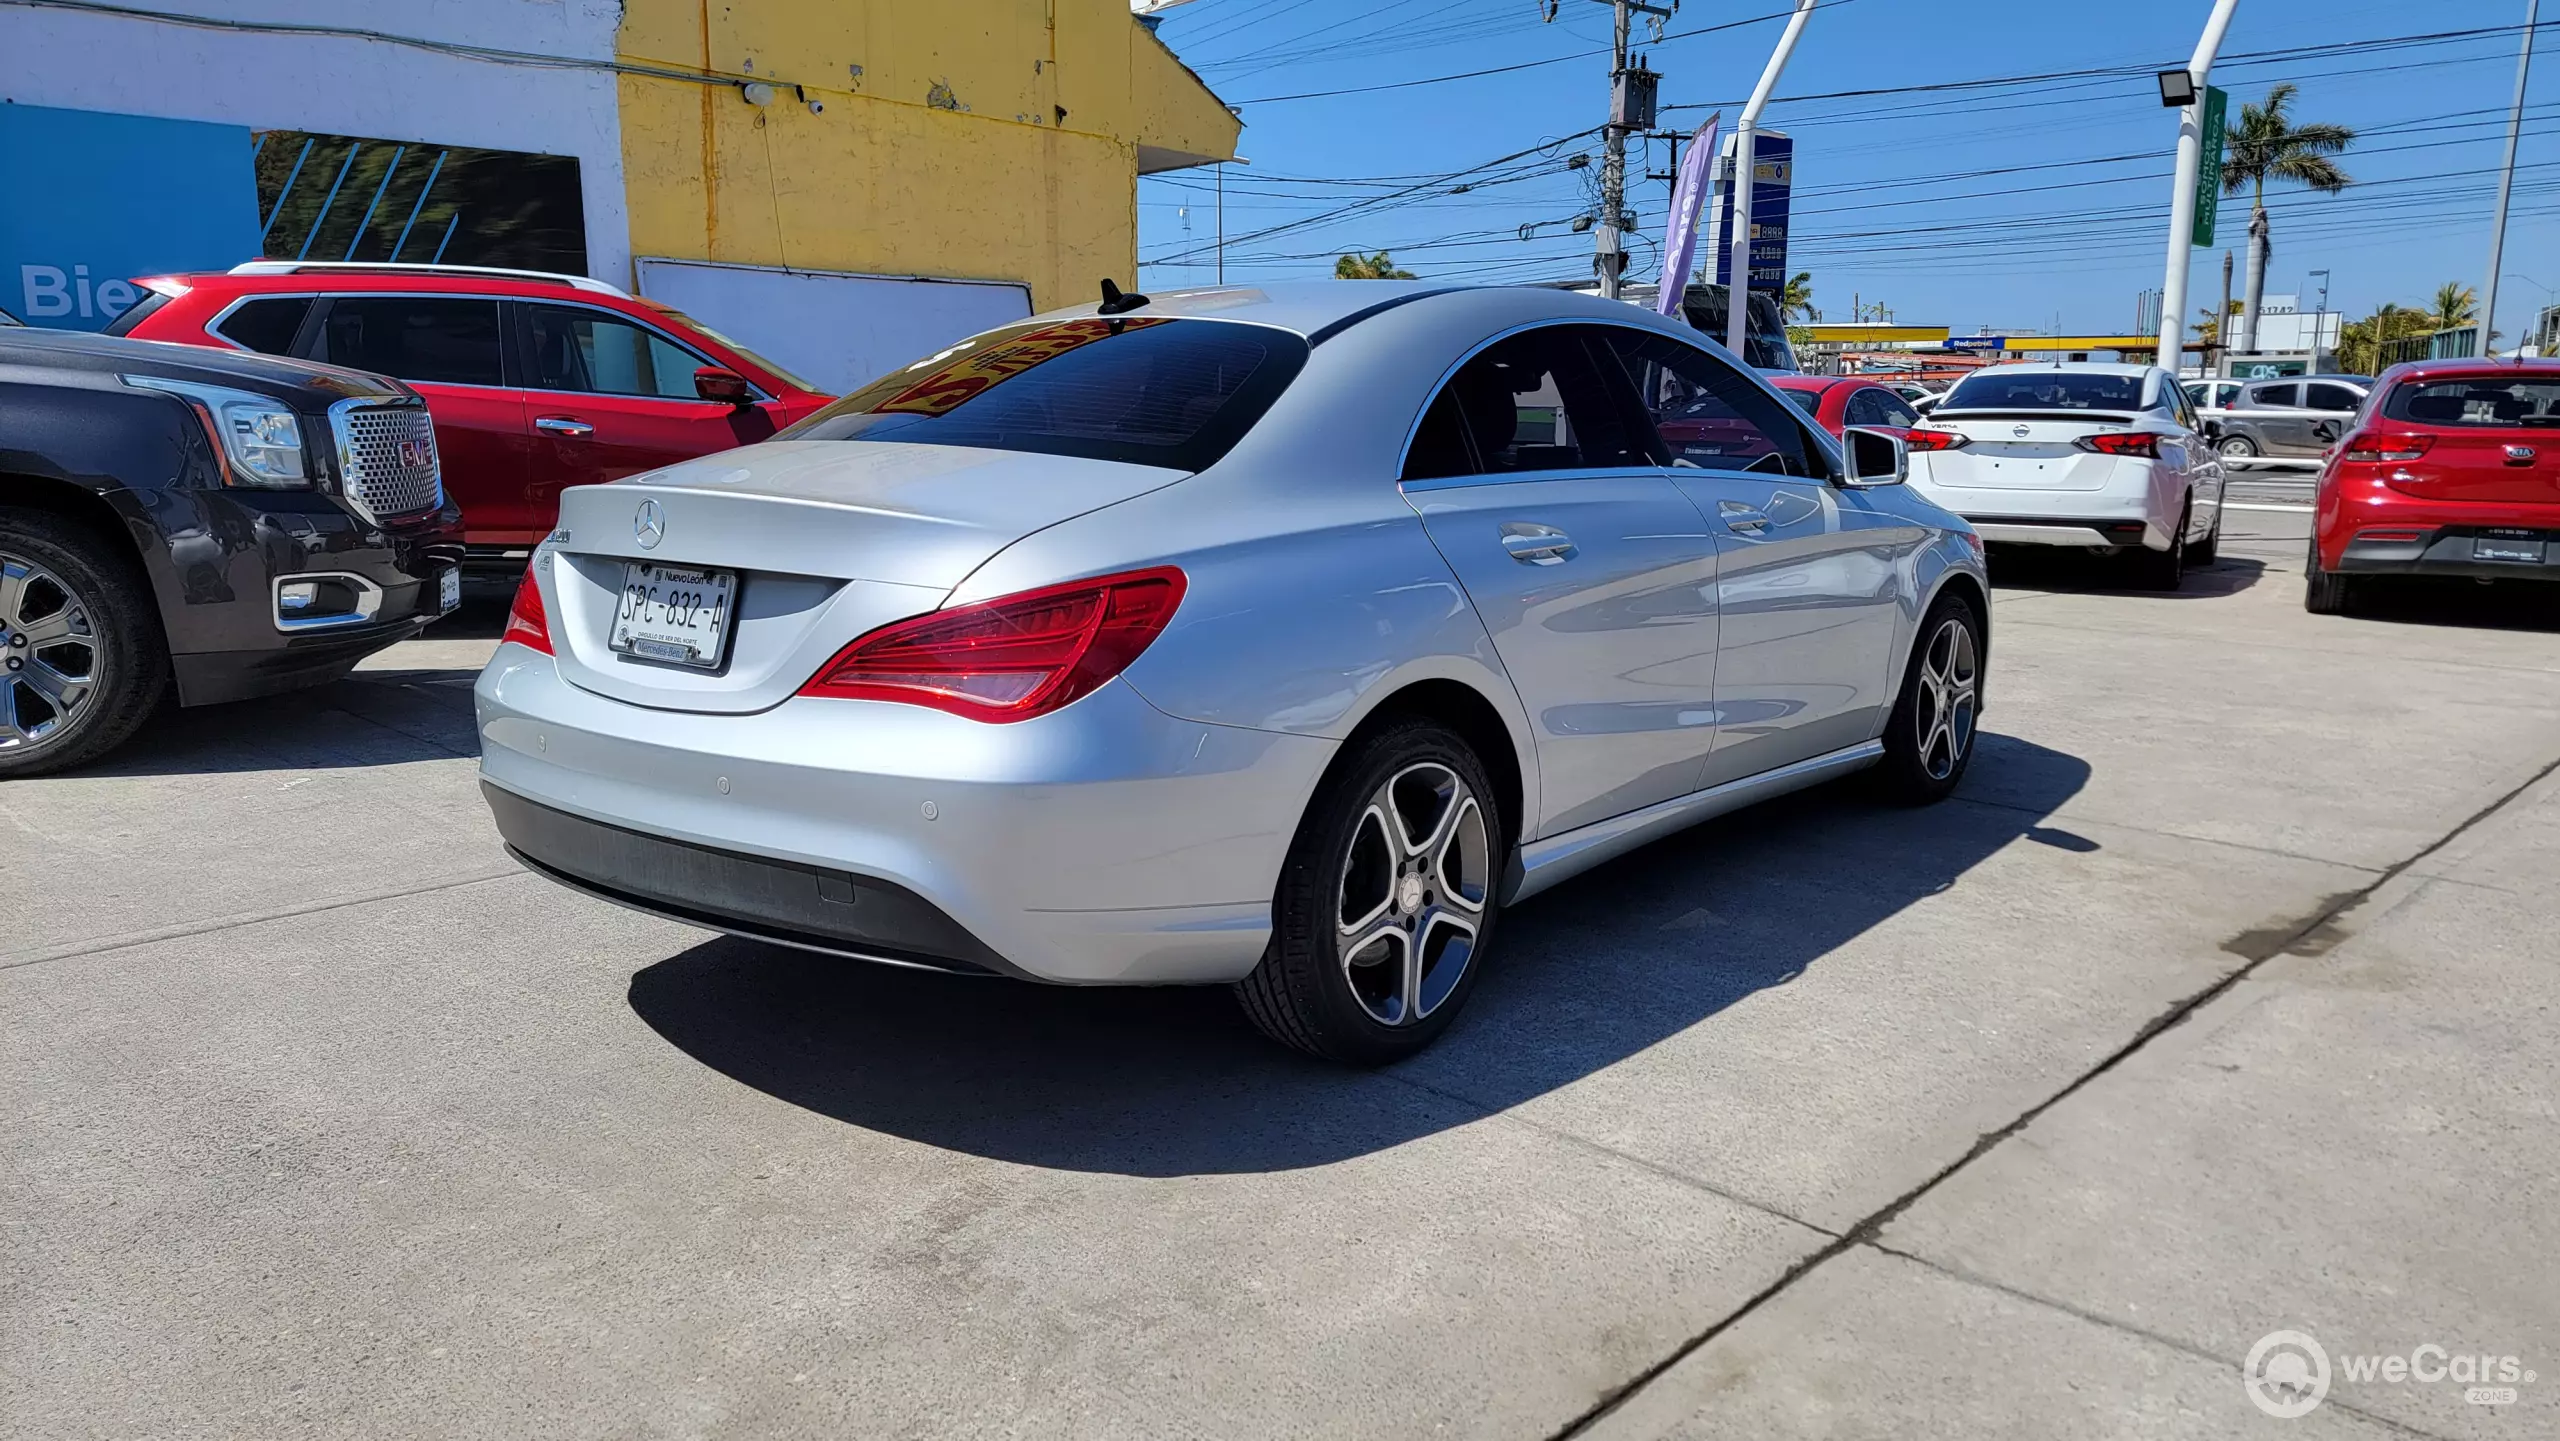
[{"x": 2110, "y": 458}]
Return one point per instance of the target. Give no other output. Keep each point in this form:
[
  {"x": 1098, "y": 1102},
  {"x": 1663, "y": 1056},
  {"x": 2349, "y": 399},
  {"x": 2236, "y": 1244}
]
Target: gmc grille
[{"x": 387, "y": 457}]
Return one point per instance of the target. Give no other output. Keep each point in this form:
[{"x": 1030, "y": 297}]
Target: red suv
[
  {"x": 536, "y": 382},
  {"x": 2452, "y": 468}
]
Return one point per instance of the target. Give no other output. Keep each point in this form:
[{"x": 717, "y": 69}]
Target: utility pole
[
  {"x": 2182, "y": 201},
  {"x": 2222, "y": 320},
  {"x": 1222, "y": 224},
  {"x": 2506, "y": 182},
  {"x": 1737, "y": 299},
  {"x": 1631, "y": 94}
]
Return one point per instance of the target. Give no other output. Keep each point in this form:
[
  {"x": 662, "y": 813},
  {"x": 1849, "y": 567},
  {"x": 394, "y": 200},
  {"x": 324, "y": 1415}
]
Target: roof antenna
[{"x": 1114, "y": 301}]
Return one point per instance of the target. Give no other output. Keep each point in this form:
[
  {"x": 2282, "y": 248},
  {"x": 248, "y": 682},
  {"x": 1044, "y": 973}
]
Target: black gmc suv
[{"x": 227, "y": 523}]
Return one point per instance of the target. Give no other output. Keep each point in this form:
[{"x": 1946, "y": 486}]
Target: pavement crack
[
  {"x": 2116, "y": 1323},
  {"x": 1865, "y": 1231}
]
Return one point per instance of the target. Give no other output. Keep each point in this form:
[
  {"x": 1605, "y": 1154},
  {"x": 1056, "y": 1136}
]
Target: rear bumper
[
  {"x": 2092, "y": 533},
  {"x": 1108, "y": 843},
  {"x": 2135, "y": 507},
  {"x": 2370, "y": 529}
]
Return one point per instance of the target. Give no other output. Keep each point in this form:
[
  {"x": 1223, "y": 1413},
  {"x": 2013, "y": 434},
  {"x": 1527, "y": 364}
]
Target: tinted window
[
  {"x": 1532, "y": 401},
  {"x": 2320, "y": 395},
  {"x": 414, "y": 338},
  {"x": 1148, "y": 390},
  {"x": 266, "y": 326},
  {"x": 2028, "y": 387},
  {"x": 2282, "y": 394},
  {"x": 1896, "y": 412},
  {"x": 2479, "y": 401},
  {"x": 1808, "y": 401},
  {"x": 587, "y": 350},
  {"x": 1866, "y": 407},
  {"x": 1707, "y": 414}
]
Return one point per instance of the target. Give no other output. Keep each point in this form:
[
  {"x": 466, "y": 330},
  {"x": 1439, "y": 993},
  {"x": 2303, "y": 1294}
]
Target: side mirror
[
  {"x": 1877, "y": 456},
  {"x": 2213, "y": 430},
  {"x": 718, "y": 383}
]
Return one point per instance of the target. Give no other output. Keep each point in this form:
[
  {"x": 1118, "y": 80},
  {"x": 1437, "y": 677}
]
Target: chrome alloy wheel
[
  {"x": 1414, "y": 887},
  {"x": 1950, "y": 673},
  {"x": 49, "y": 654}
]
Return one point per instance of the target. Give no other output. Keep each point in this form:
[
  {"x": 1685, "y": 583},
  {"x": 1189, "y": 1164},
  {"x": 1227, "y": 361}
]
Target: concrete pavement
[{"x": 2218, "y": 1001}]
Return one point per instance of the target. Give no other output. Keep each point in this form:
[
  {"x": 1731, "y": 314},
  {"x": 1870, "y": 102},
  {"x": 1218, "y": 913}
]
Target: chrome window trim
[{"x": 368, "y": 601}]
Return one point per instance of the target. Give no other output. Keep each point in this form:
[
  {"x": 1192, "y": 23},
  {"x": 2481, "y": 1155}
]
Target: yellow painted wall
[{"x": 941, "y": 149}]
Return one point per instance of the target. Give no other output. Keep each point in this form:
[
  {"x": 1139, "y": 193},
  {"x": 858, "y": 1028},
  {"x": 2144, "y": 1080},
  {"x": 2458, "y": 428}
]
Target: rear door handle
[
  {"x": 564, "y": 425},
  {"x": 1532, "y": 544}
]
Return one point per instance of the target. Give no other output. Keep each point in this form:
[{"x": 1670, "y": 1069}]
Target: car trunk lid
[
  {"x": 821, "y": 541},
  {"x": 2495, "y": 465},
  {"x": 2019, "y": 450}
]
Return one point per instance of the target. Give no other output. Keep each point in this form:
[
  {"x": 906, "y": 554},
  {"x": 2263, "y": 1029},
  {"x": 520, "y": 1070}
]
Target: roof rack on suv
[{"x": 380, "y": 267}]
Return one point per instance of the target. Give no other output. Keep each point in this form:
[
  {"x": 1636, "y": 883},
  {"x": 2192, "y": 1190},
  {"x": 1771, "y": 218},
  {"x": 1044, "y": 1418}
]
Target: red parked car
[
  {"x": 2451, "y": 468},
  {"x": 1837, "y": 401},
  {"x": 536, "y": 382}
]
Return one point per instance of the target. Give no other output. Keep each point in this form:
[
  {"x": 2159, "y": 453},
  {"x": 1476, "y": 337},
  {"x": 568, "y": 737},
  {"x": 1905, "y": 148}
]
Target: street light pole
[
  {"x": 2182, "y": 201},
  {"x": 2506, "y": 182},
  {"x": 1737, "y": 296}
]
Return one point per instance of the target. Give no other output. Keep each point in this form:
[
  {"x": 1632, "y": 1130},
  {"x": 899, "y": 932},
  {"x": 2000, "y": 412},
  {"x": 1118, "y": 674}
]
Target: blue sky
[{"x": 1891, "y": 202}]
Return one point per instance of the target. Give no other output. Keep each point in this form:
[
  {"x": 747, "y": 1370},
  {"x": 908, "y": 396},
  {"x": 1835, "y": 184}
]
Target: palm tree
[
  {"x": 2266, "y": 145},
  {"x": 1369, "y": 267},
  {"x": 2208, "y": 325},
  {"x": 2455, "y": 304},
  {"x": 2363, "y": 344},
  {"x": 1795, "y": 300}
]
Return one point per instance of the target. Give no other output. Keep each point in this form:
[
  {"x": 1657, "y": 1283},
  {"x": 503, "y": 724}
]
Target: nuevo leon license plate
[{"x": 674, "y": 613}]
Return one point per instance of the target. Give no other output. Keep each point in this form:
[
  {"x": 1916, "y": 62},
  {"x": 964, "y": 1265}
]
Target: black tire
[
  {"x": 1304, "y": 994},
  {"x": 2163, "y": 569},
  {"x": 1923, "y": 763},
  {"x": 2237, "y": 447},
  {"x": 2325, "y": 592},
  {"x": 59, "y": 578},
  {"x": 2208, "y": 550}
]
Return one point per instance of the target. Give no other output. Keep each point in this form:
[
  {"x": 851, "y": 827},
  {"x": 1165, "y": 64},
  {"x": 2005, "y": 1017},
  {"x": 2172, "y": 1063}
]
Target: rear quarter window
[
  {"x": 1144, "y": 390},
  {"x": 265, "y": 326}
]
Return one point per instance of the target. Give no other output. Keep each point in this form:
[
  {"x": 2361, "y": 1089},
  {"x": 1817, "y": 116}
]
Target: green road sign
[{"x": 2209, "y": 173}]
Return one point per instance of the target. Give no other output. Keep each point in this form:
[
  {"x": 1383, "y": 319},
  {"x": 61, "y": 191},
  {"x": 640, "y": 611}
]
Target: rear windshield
[
  {"x": 2026, "y": 388},
  {"x": 1146, "y": 390},
  {"x": 2480, "y": 401}
]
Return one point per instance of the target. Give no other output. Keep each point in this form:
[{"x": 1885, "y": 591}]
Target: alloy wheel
[
  {"x": 1950, "y": 675},
  {"x": 50, "y": 656},
  {"x": 1415, "y": 882}
]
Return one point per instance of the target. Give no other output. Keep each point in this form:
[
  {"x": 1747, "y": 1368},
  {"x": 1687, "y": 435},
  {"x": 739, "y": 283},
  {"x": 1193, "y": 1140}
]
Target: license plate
[
  {"x": 448, "y": 588},
  {"x": 674, "y": 613},
  {"x": 2523, "y": 552}
]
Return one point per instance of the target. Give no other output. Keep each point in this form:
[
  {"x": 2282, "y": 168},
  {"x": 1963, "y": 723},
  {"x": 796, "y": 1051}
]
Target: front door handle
[
  {"x": 1532, "y": 544},
  {"x": 563, "y": 425},
  {"x": 1741, "y": 519}
]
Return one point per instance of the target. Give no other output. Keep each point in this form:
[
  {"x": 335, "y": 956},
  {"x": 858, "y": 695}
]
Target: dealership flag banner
[{"x": 1680, "y": 232}]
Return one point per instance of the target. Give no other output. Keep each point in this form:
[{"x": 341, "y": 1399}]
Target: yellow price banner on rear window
[{"x": 967, "y": 375}]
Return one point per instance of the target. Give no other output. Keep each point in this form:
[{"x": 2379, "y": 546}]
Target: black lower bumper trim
[
  {"x": 810, "y": 907},
  {"x": 2455, "y": 552},
  {"x": 213, "y": 677}
]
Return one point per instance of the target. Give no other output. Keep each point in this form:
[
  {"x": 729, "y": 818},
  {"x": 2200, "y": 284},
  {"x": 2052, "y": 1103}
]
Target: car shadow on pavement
[
  {"x": 2054, "y": 568},
  {"x": 2453, "y": 601},
  {"x": 1172, "y": 1081}
]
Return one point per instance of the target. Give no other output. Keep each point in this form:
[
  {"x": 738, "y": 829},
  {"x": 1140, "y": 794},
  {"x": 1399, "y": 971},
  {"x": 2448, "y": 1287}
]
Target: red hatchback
[
  {"x": 2452, "y": 468},
  {"x": 536, "y": 382},
  {"x": 1838, "y": 401}
]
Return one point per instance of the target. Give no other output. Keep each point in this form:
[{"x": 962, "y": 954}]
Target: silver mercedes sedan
[{"x": 1277, "y": 637}]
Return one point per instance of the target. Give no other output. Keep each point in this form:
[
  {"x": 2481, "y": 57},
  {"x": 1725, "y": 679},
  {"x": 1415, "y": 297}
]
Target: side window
[
  {"x": 1894, "y": 410},
  {"x": 414, "y": 338},
  {"x": 2321, "y": 395},
  {"x": 266, "y": 326},
  {"x": 1533, "y": 401},
  {"x": 600, "y": 354},
  {"x": 2285, "y": 394},
  {"x": 1707, "y": 415}
]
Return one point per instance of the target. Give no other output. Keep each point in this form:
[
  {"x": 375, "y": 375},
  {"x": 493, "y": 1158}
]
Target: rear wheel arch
[{"x": 1468, "y": 712}]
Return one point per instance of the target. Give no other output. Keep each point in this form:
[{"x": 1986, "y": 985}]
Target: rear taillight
[
  {"x": 526, "y": 623},
  {"x": 2368, "y": 446},
  {"x": 1012, "y": 658},
  {"x": 1922, "y": 438},
  {"x": 2122, "y": 442}
]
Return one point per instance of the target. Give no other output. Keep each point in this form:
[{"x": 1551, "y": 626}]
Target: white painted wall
[{"x": 350, "y": 86}]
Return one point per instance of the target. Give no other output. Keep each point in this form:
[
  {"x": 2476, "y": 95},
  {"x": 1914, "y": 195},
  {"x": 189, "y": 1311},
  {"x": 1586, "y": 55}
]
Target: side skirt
[{"x": 1543, "y": 863}]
